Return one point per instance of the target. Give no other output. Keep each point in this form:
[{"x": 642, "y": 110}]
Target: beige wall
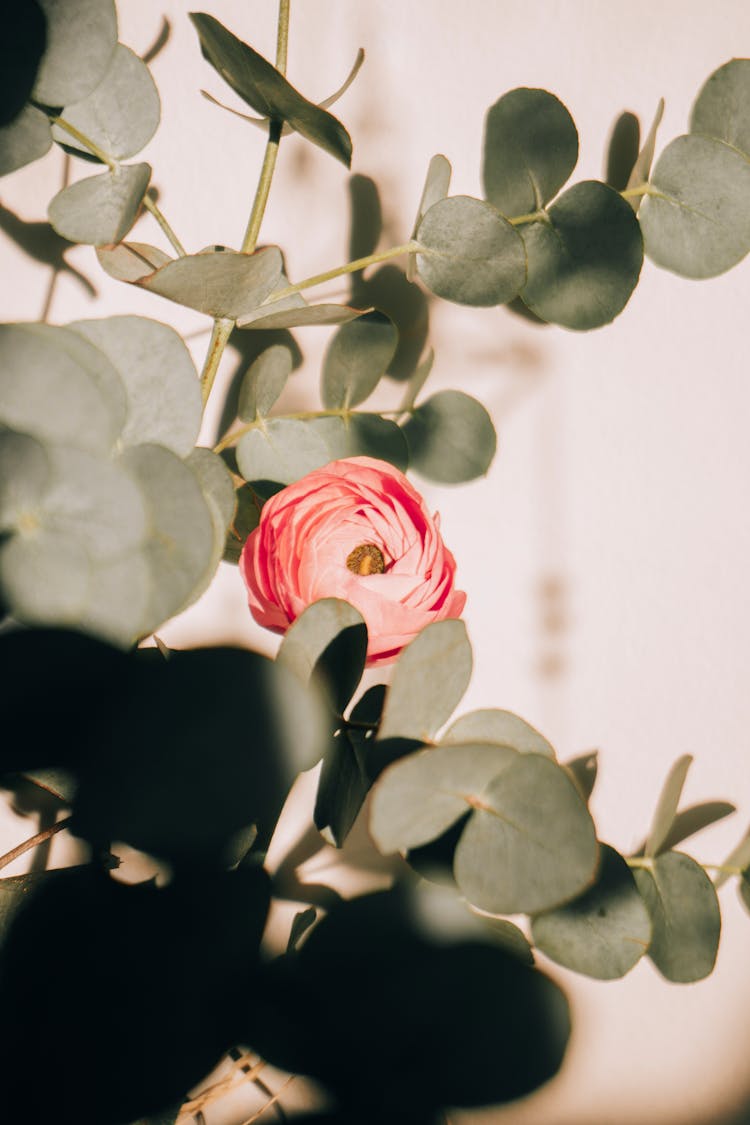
[{"x": 606, "y": 556}]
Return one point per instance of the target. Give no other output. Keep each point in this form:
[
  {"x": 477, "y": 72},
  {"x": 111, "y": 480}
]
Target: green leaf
[
  {"x": 739, "y": 857},
  {"x": 584, "y": 770},
  {"x": 694, "y": 819},
  {"x": 451, "y": 438},
  {"x": 281, "y": 450},
  {"x": 26, "y": 138},
  {"x": 530, "y": 844},
  {"x": 45, "y": 577},
  {"x": 666, "y": 808},
  {"x": 287, "y": 313},
  {"x": 24, "y": 478},
  {"x": 218, "y": 282},
  {"x": 622, "y": 150},
  {"x": 121, "y": 114},
  {"x": 721, "y": 108},
  {"x": 342, "y": 789},
  {"x": 584, "y": 259},
  {"x": 100, "y": 209},
  {"x": 356, "y": 358},
  {"x": 81, "y": 40},
  {"x": 417, "y": 798},
  {"x": 264, "y": 382},
  {"x": 266, "y": 90},
  {"x": 428, "y": 682},
  {"x": 311, "y": 635},
  {"x": 605, "y": 932},
  {"x": 470, "y": 253},
  {"x": 436, "y": 185},
  {"x": 246, "y": 518},
  {"x": 60, "y": 388},
  {"x": 179, "y": 548},
  {"x": 417, "y": 380},
  {"x": 131, "y": 261},
  {"x": 163, "y": 391},
  {"x": 501, "y": 727},
  {"x": 696, "y": 216},
  {"x": 530, "y": 150},
  {"x": 642, "y": 167},
  {"x": 685, "y": 916},
  {"x": 215, "y": 481},
  {"x": 363, "y": 435}
]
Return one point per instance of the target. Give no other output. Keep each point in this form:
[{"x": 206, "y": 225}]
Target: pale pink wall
[{"x": 620, "y": 482}]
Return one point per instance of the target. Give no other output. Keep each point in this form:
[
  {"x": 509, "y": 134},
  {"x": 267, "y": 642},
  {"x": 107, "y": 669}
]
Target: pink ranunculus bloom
[{"x": 357, "y": 530}]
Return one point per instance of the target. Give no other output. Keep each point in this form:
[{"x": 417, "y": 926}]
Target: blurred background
[{"x": 606, "y": 555}]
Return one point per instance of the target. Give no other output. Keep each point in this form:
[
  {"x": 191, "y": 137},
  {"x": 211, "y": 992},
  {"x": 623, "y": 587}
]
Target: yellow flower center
[{"x": 366, "y": 559}]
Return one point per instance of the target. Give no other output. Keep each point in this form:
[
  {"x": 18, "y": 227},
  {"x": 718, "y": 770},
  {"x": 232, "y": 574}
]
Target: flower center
[{"x": 366, "y": 559}]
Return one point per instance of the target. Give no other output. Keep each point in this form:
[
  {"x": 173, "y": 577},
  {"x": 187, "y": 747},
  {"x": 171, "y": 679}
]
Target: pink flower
[{"x": 357, "y": 530}]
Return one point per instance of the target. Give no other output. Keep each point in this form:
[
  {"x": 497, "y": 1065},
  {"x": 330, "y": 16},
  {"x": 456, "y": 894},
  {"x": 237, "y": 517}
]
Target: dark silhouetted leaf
[
  {"x": 356, "y": 358},
  {"x": 364, "y": 435},
  {"x": 264, "y": 382},
  {"x": 281, "y": 450},
  {"x": 218, "y": 282},
  {"x": 81, "y": 40},
  {"x": 666, "y": 808},
  {"x": 622, "y": 151},
  {"x": 131, "y": 261}
]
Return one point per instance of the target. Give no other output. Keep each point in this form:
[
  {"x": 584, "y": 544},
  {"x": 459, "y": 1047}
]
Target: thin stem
[
  {"x": 282, "y": 37},
  {"x": 27, "y": 845},
  {"x": 532, "y": 217},
  {"x": 636, "y": 192},
  {"x": 220, "y": 333},
  {"x": 250, "y": 240},
  {"x": 82, "y": 139},
  {"x": 157, "y": 213},
  {"x": 339, "y": 271}
]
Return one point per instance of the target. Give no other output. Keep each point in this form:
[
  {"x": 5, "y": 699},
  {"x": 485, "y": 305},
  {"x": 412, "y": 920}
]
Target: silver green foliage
[
  {"x": 451, "y": 438},
  {"x": 357, "y": 356},
  {"x": 27, "y": 138},
  {"x": 313, "y": 631},
  {"x": 685, "y": 917},
  {"x": 667, "y": 805},
  {"x": 218, "y": 282},
  {"x": 500, "y": 727},
  {"x": 722, "y": 108},
  {"x": 264, "y": 381},
  {"x": 363, "y": 435},
  {"x": 100, "y": 209},
  {"x": 281, "y": 450},
  {"x": 81, "y": 39}
]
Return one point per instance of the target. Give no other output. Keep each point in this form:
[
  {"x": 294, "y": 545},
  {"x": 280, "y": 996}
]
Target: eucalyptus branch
[
  {"x": 350, "y": 267},
  {"x": 34, "y": 841},
  {"x": 220, "y": 333},
  {"x": 304, "y": 416},
  {"x": 151, "y": 206}
]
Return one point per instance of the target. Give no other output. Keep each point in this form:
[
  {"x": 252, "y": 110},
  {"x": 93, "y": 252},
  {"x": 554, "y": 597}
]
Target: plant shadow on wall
[{"x": 402, "y": 1003}]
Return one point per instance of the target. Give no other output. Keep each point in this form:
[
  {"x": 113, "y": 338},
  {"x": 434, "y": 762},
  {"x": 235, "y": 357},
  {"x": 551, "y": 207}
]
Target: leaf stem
[
  {"x": 304, "y": 416},
  {"x": 257, "y": 212},
  {"x": 350, "y": 267},
  {"x": 636, "y": 192},
  {"x": 34, "y": 841},
  {"x": 539, "y": 216},
  {"x": 158, "y": 214},
  {"x": 220, "y": 333}
]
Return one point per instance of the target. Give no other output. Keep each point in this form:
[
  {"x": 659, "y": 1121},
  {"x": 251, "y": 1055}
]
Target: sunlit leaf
[
  {"x": 366, "y": 216},
  {"x": 530, "y": 844},
  {"x": 26, "y": 138},
  {"x": 219, "y": 283},
  {"x": 696, "y": 216},
  {"x": 428, "y": 682},
  {"x": 131, "y": 261},
  {"x": 81, "y": 40},
  {"x": 264, "y": 381},
  {"x": 266, "y": 90},
  {"x": 642, "y": 167},
  {"x": 281, "y": 450},
  {"x": 436, "y": 185},
  {"x": 471, "y": 254},
  {"x": 501, "y": 727},
  {"x": 100, "y": 209},
  {"x": 666, "y": 809},
  {"x": 163, "y": 392},
  {"x": 605, "y": 932},
  {"x": 451, "y": 438},
  {"x": 530, "y": 150},
  {"x": 364, "y": 435},
  {"x": 685, "y": 917},
  {"x": 721, "y": 108},
  {"x": 121, "y": 114},
  {"x": 24, "y": 478},
  {"x": 355, "y": 360},
  {"x": 298, "y": 315},
  {"x": 309, "y": 637},
  {"x": 342, "y": 789}
]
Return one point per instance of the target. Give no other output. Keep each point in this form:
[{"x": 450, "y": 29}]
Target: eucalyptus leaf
[
  {"x": 584, "y": 770},
  {"x": 430, "y": 678},
  {"x": 584, "y": 258},
  {"x": 157, "y": 370},
  {"x": 436, "y": 185},
  {"x": 215, "y": 481},
  {"x": 221, "y": 283},
  {"x": 24, "y": 478},
  {"x": 58, "y": 387},
  {"x": 721, "y": 108},
  {"x": 21, "y": 50},
  {"x": 666, "y": 808},
  {"x": 311, "y": 634},
  {"x": 530, "y": 844},
  {"x": 605, "y": 932},
  {"x": 264, "y": 381},
  {"x": 470, "y": 253},
  {"x": 685, "y": 916},
  {"x": 530, "y": 150},
  {"x": 266, "y": 90},
  {"x": 694, "y": 819},
  {"x": 364, "y": 435},
  {"x": 281, "y": 450},
  {"x": 356, "y": 358},
  {"x": 696, "y": 216},
  {"x": 131, "y": 261},
  {"x": 503, "y": 727},
  {"x": 642, "y": 167},
  {"x": 81, "y": 40},
  {"x": 287, "y": 313},
  {"x": 451, "y": 438},
  {"x": 417, "y": 380},
  {"x": 417, "y": 798},
  {"x": 28, "y": 137},
  {"x": 246, "y": 519},
  {"x": 45, "y": 577},
  {"x": 342, "y": 789},
  {"x": 100, "y": 209},
  {"x": 121, "y": 114}
]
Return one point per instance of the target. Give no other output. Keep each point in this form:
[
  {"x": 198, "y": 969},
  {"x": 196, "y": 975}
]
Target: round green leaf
[
  {"x": 605, "y": 932},
  {"x": 131, "y": 261},
  {"x": 585, "y": 259},
  {"x": 417, "y": 798},
  {"x": 58, "y": 387},
  {"x": 451, "y": 438},
  {"x": 471, "y": 254},
  {"x": 685, "y": 916},
  {"x": 364, "y": 435},
  {"x": 503, "y": 727},
  {"x": 666, "y": 808},
  {"x": 218, "y": 282},
  {"x": 163, "y": 391},
  {"x": 24, "y": 478},
  {"x": 721, "y": 108},
  {"x": 264, "y": 382},
  {"x": 81, "y": 39},
  {"x": 26, "y": 138},
  {"x": 530, "y": 844},
  {"x": 696, "y": 216},
  {"x": 314, "y": 630},
  {"x": 100, "y": 209},
  {"x": 356, "y": 358},
  {"x": 121, "y": 114},
  {"x": 530, "y": 150},
  {"x": 428, "y": 682},
  {"x": 281, "y": 450},
  {"x": 45, "y": 577}
]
